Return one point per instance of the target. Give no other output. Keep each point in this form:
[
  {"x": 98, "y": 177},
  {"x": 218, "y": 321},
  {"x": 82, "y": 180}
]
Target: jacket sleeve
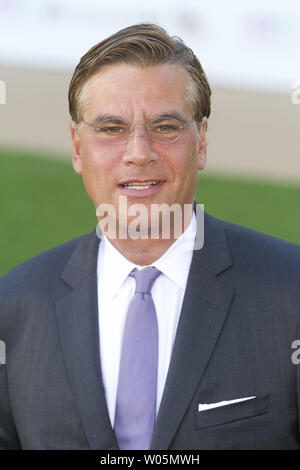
[{"x": 9, "y": 439}]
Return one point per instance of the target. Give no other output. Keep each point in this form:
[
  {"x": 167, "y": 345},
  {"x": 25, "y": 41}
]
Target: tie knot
[{"x": 144, "y": 279}]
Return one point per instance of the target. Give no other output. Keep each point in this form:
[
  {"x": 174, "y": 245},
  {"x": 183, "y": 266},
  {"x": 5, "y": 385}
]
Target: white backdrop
[{"x": 252, "y": 44}]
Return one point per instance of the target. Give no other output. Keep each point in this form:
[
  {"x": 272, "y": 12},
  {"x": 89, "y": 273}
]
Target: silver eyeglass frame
[{"x": 182, "y": 126}]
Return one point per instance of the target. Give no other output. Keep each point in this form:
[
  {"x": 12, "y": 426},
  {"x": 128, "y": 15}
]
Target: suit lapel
[
  {"x": 77, "y": 315},
  {"x": 206, "y": 303}
]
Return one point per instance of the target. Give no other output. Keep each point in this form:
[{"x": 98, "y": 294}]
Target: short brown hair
[{"x": 143, "y": 45}]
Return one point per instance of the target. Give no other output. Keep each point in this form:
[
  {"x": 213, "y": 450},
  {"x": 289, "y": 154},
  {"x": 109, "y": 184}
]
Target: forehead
[{"x": 128, "y": 90}]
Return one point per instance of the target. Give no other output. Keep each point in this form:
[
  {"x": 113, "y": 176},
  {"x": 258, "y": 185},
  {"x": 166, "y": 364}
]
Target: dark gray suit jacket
[{"x": 239, "y": 318}]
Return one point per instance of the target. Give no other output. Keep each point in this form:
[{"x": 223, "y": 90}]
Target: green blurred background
[{"x": 44, "y": 203}]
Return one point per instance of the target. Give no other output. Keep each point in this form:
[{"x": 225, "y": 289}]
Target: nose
[{"x": 139, "y": 149}]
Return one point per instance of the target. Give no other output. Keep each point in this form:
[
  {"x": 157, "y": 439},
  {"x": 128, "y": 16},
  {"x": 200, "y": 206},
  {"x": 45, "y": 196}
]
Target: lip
[
  {"x": 140, "y": 192},
  {"x": 138, "y": 180}
]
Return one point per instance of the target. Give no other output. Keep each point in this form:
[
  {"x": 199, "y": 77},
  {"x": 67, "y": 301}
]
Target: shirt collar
[
  {"x": 174, "y": 263},
  {"x": 113, "y": 267}
]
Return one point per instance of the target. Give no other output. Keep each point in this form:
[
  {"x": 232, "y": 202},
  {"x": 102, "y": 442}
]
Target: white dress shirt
[{"x": 115, "y": 291}]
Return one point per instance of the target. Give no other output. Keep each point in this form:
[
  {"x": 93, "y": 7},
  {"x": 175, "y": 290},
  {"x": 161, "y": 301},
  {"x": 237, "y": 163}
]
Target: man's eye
[
  {"x": 111, "y": 130},
  {"x": 165, "y": 128}
]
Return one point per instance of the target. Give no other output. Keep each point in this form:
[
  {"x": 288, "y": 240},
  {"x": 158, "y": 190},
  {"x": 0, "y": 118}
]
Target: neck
[{"x": 142, "y": 252}]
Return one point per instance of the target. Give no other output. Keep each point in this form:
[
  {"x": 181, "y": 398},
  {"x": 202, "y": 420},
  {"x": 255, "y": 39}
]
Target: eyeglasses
[{"x": 161, "y": 130}]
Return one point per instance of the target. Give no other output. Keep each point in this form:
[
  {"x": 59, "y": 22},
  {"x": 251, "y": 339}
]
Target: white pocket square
[{"x": 208, "y": 406}]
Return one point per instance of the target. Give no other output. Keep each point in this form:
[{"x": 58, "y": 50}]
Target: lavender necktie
[{"x": 136, "y": 396}]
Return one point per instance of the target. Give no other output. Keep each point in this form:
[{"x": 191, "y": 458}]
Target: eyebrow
[
  {"x": 105, "y": 117},
  {"x": 158, "y": 117},
  {"x": 170, "y": 114}
]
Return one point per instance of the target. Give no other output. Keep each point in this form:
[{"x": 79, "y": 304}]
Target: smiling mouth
[{"x": 138, "y": 185}]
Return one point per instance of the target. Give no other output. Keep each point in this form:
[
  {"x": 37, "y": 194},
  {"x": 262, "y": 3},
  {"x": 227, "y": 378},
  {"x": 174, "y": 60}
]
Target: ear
[
  {"x": 76, "y": 157},
  {"x": 202, "y": 145}
]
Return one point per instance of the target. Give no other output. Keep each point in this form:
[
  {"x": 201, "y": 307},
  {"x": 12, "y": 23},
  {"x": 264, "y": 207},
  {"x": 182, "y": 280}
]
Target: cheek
[
  {"x": 185, "y": 162},
  {"x": 97, "y": 172},
  {"x": 96, "y": 160}
]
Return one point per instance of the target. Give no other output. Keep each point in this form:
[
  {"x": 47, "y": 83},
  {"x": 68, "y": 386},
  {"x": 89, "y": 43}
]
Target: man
[{"x": 201, "y": 357}]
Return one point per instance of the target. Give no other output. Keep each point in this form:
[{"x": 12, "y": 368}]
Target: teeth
[{"x": 145, "y": 185}]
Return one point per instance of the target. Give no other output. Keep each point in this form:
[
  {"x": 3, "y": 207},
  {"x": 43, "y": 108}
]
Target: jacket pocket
[{"x": 230, "y": 413}]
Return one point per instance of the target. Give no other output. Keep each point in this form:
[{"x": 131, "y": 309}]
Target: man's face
[{"x": 138, "y": 96}]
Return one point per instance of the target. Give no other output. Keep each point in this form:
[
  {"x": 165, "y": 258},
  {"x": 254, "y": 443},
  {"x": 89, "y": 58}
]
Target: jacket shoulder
[
  {"x": 250, "y": 246},
  {"x": 41, "y": 266}
]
